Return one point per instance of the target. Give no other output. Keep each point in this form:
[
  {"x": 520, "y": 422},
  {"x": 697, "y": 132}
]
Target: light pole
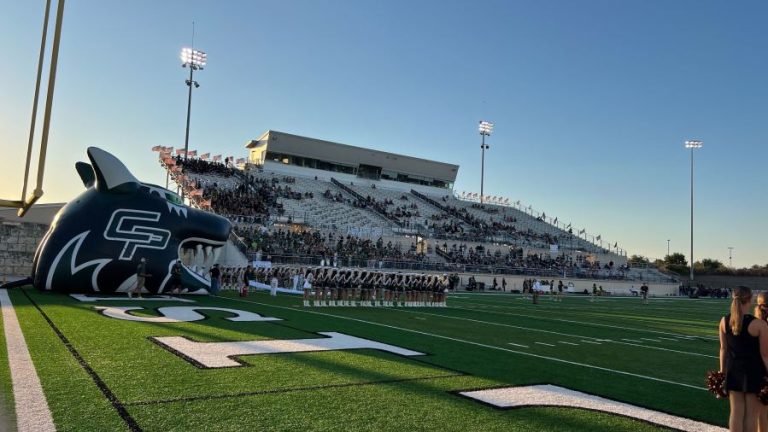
[
  {"x": 693, "y": 145},
  {"x": 194, "y": 60},
  {"x": 667, "y": 247},
  {"x": 730, "y": 256},
  {"x": 485, "y": 129}
]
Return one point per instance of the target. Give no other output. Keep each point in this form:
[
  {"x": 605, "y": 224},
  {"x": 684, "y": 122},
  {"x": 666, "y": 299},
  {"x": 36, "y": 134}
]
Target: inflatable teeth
[{"x": 96, "y": 241}]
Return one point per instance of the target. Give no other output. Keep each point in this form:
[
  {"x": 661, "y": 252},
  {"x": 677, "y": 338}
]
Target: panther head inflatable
[{"x": 96, "y": 241}]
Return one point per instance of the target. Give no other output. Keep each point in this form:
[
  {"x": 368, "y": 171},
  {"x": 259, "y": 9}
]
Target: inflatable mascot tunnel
[{"x": 96, "y": 241}]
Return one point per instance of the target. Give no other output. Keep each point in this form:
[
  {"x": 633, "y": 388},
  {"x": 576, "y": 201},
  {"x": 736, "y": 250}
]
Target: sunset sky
[{"x": 592, "y": 100}]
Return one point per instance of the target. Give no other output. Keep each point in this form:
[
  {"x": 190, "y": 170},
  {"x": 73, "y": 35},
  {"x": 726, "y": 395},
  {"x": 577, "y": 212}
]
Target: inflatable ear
[
  {"x": 85, "y": 171},
  {"x": 111, "y": 175}
]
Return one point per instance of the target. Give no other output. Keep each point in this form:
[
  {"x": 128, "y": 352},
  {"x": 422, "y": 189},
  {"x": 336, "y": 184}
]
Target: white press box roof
[{"x": 295, "y": 145}]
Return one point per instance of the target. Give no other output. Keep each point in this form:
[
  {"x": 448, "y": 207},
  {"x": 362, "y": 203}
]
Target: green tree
[
  {"x": 676, "y": 263},
  {"x": 638, "y": 260}
]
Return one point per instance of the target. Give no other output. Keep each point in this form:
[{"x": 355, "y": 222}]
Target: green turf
[
  {"x": 6, "y": 389},
  {"x": 468, "y": 346}
]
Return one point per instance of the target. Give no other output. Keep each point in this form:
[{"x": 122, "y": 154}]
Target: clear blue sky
[{"x": 592, "y": 100}]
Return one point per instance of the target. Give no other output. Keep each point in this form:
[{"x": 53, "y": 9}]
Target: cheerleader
[
  {"x": 398, "y": 287},
  {"x": 389, "y": 281},
  {"x": 349, "y": 291},
  {"x": 333, "y": 287},
  {"x": 319, "y": 285},
  {"x": 743, "y": 360},
  {"x": 308, "y": 278}
]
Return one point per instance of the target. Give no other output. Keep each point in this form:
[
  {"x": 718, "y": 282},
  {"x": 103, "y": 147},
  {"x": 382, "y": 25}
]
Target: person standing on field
[
  {"x": 644, "y": 292},
  {"x": 141, "y": 275},
  {"x": 215, "y": 279}
]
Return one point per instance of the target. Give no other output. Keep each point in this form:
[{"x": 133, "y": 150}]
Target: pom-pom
[
  {"x": 716, "y": 386},
  {"x": 763, "y": 395}
]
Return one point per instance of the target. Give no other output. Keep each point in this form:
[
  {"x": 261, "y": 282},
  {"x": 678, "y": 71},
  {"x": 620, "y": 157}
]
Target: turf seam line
[
  {"x": 555, "y": 359},
  {"x": 289, "y": 390},
  {"x": 30, "y": 403},
  {"x": 133, "y": 426}
]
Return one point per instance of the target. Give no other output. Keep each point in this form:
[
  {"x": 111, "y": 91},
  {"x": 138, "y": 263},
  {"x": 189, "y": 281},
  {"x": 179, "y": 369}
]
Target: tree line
[{"x": 678, "y": 264}]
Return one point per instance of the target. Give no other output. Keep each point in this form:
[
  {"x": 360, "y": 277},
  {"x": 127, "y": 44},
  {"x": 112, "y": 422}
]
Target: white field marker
[
  {"x": 550, "y": 395},
  {"x": 32, "y": 412},
  {"x": 592, "y": 342},
  {"x": 517, "y": 345},
  {"x": 90, "y": 299},
  {"x": 568, "y": 343},
  {"x": 542, "y": 343},
  {"x": 220, "y": 354}
]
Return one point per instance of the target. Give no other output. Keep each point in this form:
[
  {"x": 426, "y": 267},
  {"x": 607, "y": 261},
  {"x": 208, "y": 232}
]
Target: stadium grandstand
[{"x": 300, "y": 201}]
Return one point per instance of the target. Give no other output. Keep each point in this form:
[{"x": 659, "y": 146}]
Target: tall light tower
[
  {"x": 667, "y": 247},
  {"x": 194, "y": 60},
  {"x": 730, "y": 256},
  {"x": 485, "y": 129},
  {"x": 693, "y": 145}
]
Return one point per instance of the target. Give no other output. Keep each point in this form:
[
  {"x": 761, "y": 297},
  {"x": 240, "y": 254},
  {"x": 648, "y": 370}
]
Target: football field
[{"x": 267, "y": 363}]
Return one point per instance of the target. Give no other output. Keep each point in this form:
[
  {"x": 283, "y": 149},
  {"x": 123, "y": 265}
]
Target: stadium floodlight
[
  {"x": 693, "y": 145},
  {"x": 194, "y": 60},
  {"x": 485, "y": 129}
]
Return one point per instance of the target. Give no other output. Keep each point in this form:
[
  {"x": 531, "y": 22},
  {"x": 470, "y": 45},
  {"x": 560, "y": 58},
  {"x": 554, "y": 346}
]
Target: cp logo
[{"x": 125, "y": 226}]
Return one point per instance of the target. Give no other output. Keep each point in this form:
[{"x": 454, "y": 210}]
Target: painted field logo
[
  {"x": 554, "y": 396},
  {"x": 207, "y": 355},
  {"x": 223, "y": 354},
  {"x": 125, "y": 225}
]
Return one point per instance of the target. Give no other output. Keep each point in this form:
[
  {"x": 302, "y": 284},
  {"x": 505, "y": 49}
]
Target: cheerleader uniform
[{"x": 744, "y": 368}]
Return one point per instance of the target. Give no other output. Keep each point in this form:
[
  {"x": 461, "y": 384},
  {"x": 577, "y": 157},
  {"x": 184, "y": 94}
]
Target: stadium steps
[{"x": 362, "y": 199}]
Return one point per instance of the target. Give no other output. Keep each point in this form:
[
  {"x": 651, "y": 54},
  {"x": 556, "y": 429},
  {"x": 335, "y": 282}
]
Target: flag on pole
[
  {"x": 179, "y": 151},
  {"x": 192, "y": 153},
  {"x": 583, "y": 231},
  {"x": 555, "y": 221},
  {"x": 205, "y": 156},
  {"x": 217, "y": 158},
  {"x": 598, "y": 237},
  {"x": 156, "y": 148},
  {"x": 240, "y": 161},
  {"x": 615, "y": 245},
  {"x": 569, "y": 225}
]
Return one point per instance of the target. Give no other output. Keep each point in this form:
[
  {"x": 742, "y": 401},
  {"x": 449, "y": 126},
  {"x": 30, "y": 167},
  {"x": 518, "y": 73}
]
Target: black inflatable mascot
[{"x": 96, "y": 241}]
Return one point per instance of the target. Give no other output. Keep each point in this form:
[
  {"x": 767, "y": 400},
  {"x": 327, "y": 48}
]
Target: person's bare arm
[
  {"x": 724, "y": 345},
  {"x": 763, "y": 335}
]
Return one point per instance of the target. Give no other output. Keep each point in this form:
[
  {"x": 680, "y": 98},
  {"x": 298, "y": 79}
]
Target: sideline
[
  {"x": 32, "y": 411},
  {"x": 493, "y": 347}
]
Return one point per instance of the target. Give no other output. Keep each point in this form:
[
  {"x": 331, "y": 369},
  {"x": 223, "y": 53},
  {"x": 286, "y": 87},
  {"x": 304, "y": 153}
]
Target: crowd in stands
[
  {"x": 329, "y": 247},
  {"x": 201, "y": 166}
]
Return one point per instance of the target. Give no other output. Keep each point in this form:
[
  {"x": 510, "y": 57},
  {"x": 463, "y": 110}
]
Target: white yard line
[
  {"x": 32, "y": 412},
  {"x": 559, "y": 333},
  {"x": 591, "y": 342},
  {"x": 542, "y": 343},
  {"x": 649, "y": 339},
  {"x": 568, "y": 343},
  {"x": 669, "y": 339},
  {"x": 545, "y": 318},
  {"x": 493, "y": 347},
  {"x": 517, "y": 345}
]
